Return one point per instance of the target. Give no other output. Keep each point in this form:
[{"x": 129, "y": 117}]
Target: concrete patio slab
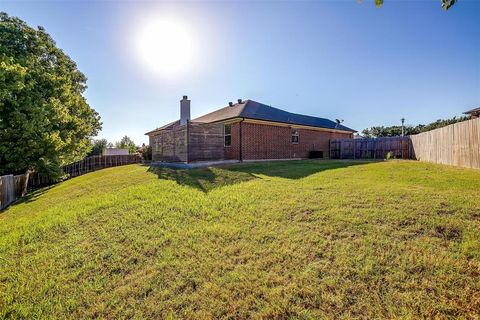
[{"x": 192, "y": 165}]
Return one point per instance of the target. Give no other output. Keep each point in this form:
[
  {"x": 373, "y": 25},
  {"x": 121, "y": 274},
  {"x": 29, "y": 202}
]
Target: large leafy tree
[{"x": 45, "y": 122}]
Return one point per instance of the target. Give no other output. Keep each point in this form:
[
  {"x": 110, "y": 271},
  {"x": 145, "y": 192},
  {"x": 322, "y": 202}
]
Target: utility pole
[{"x": 403, "y": 127}]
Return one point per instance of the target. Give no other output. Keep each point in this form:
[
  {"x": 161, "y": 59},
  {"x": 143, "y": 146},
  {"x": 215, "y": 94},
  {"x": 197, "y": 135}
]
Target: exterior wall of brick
[
  {"x": 203, "y": 142},
  {"x": 260, "y": 141},
  {"x": 232, "y": 152}
]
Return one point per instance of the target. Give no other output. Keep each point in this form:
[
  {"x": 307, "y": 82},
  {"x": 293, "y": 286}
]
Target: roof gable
[{"x": 168, "y": 126}]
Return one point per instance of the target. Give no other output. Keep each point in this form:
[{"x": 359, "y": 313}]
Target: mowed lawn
[{"x": 298, "y": 239}]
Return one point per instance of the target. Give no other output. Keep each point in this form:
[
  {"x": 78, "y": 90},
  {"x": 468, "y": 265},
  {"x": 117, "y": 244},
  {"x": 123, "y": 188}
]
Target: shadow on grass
[
  {"x": 203, "y": 179},
  {"x": 206, "y": 179},
  {"x": 32, "y": 195}
]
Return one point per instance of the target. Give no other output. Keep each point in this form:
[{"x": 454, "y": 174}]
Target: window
[
  {"x": 227, "y": 135},
  {"x": 294, "y": 136}
]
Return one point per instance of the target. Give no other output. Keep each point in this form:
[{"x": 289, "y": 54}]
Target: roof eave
[{"x": 346, "y": 129}]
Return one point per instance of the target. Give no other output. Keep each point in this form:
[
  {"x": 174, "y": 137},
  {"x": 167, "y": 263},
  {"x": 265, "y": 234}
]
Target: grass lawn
[{"x": 299, "y": 239}]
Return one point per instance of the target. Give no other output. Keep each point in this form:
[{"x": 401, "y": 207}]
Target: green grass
[{"x": 300, "y": 239}]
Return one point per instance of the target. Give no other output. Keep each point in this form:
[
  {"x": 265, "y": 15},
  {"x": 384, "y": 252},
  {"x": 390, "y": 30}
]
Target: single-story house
[{"x": 246, "y": 130}]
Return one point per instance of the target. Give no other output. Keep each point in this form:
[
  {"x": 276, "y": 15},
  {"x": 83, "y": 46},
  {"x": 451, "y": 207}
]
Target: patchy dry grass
[{"x": 301, "y": 239}]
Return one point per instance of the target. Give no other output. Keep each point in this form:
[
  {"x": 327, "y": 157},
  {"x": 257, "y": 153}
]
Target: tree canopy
[
  {"x": 392, "y": 131},
  {"x": 45, "y": 121},
  {"x": 126, "y": 143},
  {"x": 97, "y": 147}
]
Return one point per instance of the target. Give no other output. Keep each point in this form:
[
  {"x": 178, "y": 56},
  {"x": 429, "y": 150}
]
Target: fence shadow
[
  {"x": 207, "y": 179},
  {"x": 32, "y": 195}
]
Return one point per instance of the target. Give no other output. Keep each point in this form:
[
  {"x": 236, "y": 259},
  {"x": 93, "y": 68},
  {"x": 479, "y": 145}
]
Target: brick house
[{"x": 246, "y": 130}]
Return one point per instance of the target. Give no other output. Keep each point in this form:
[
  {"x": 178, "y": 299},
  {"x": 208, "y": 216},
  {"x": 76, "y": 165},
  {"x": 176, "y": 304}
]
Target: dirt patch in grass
[{"x": 450, "y": 233}]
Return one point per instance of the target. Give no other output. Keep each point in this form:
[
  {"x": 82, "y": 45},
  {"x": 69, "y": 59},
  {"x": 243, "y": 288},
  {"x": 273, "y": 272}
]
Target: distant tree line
[
  {"x": 97, "y": 146},
  {"x": 392, "y": 131}
]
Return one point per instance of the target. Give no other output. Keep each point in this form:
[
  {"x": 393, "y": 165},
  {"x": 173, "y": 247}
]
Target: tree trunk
[{"x": 25, "y": 182}]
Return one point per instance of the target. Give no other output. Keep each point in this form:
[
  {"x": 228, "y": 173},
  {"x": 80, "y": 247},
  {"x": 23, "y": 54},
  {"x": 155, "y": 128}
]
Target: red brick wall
[
  {"x": 233, "y": 152},
  {"x": 274, "y": 142}
]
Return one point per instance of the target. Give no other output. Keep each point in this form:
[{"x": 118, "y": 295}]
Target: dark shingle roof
[
  {"x": 473, "y": 111},
  {"x": 167, "y": 126},
  {"x": 254, "y": 110}
]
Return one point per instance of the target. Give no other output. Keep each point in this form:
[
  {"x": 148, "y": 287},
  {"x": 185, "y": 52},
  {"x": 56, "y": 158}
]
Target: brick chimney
[{"x": 184, "y": 110}]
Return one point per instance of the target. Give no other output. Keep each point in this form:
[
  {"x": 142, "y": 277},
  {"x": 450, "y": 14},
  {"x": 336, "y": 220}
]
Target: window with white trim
[{"x": 295, "y": 136}]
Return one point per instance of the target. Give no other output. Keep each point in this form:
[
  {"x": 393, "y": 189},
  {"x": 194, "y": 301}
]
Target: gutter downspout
[{"x": 240, "y": 149}]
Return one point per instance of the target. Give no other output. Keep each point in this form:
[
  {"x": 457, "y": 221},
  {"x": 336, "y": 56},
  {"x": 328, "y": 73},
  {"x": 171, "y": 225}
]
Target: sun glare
[{"x": 165, "y": 46}]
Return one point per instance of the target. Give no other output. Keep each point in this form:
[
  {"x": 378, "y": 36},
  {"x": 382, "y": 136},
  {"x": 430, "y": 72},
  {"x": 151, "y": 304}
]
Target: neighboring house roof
[
  {"x": 474, "y": 111},
  {"x": 258, "y": 111},
  {"x": 114, "y": 151},
  {"x": 254, "y": 110}
]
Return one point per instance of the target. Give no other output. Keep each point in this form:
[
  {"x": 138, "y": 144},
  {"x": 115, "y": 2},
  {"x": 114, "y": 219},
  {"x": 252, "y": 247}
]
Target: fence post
[{"x": 354, "y": 148}]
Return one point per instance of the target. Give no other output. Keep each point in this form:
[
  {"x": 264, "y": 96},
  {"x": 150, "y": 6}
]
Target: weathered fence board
[
  {"x": 457, "y": 144},
  {"x": 374, "y": 148},
  {"x": 7, "y": 190},
  {"x": 11, "y": 188}
]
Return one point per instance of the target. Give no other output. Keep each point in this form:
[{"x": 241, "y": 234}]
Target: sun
[{"x": 165, "y": 46}]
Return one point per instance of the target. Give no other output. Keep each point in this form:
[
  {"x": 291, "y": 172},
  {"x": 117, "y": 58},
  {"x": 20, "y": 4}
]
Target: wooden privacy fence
[
  {"x": 370, "y": 148},
  {"x": 87, "y": 165},
  {"x": 457, "y": 144},
  {"x": 93, "y": 163},
  {"x": 11, "y": 188}
]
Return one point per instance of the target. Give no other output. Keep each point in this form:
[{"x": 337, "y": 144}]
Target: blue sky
[{"x": 332, "y": 59}]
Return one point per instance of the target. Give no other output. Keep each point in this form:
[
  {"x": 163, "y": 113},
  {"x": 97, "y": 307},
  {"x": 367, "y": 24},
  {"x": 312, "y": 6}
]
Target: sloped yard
[{"x": 299, "y": 239}]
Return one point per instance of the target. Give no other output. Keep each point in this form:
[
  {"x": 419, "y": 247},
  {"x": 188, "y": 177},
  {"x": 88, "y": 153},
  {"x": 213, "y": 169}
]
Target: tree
[
  {"x": 97, "y": 147},
  {"x": 446, "y": 4},
  {"x": 392, "y": 131},
  {"x": 126, "y": 143},
  {"x": 146, "y": 152},
  {"x": 45, "y": 122}
]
